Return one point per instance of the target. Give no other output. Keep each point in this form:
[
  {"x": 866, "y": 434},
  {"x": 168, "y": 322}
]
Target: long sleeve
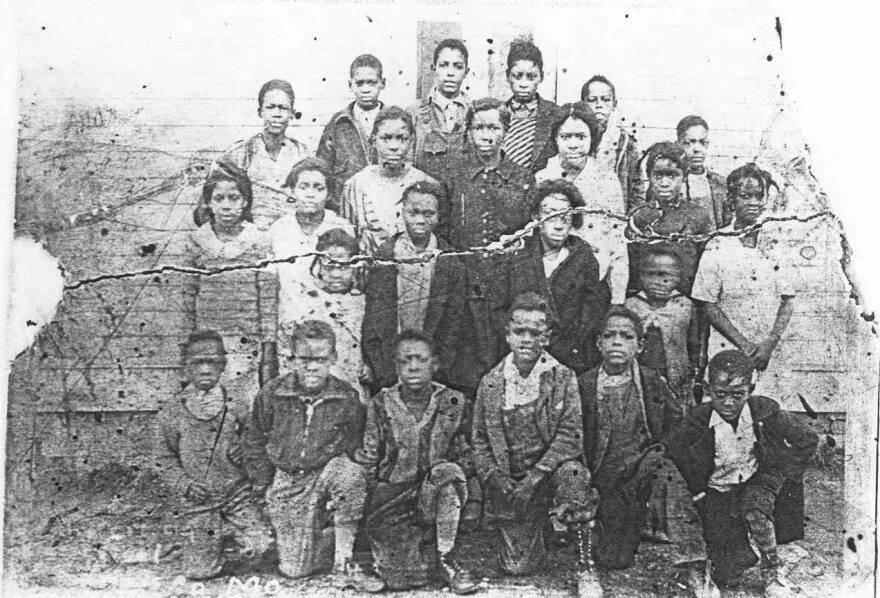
[
  {"x": 370, "y": 452},
  {"x": 172, "y": 471},
  {"x": 567, "y": 441},
  {"x": 484, "y": 459},
  {"x": 447, "y": 341},
  {"x": 256, "y": 436},
  {"x": 788, "y": 446},
  {"x": 348, "y": 205}
]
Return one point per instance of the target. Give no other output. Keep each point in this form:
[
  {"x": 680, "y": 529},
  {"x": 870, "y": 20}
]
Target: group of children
[{"x": 479, "y": 314}]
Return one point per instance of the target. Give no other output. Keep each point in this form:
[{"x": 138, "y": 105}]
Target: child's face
[
  {"x": 366, "y": 85},
  {"x": 573, "y": 140},
  {"x": 600, "y": 98},
  {"x": 392, "y": 142},
  {"x": 619, "y": 342},
  {"x": 527, "y": 333},
  {"x": 695, "y": 143},
  {"x": 524, "y": 77},
  {"x": 276, "y": 111},
  {"x": 420, "y": 215},
  {"x": 748, "y": 201},
  {"x": 310, "y": 192},
  {"x": 450, "y": 70},
  {"x": 660, "y": 275},
  {"x": 205, "y": 362},
  {"x": 415, "y": 365},
  {"x": 665, "y": 180},
  {"x": 729, "y": 394},
  {"x": 226, "y": 203},
  {"x": 334, "y": 271},
  {"x": 487, "y": 132},
  {"x": 554, "y": 230},
  {"x": 312, "y": 360}
]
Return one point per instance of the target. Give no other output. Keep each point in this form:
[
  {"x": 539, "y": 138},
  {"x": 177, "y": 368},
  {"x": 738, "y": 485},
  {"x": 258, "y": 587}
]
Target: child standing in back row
[{"x": 345, "y": 143}]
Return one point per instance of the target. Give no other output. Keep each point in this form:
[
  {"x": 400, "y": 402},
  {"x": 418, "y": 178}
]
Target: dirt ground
[{"x": 112, "y": 534}]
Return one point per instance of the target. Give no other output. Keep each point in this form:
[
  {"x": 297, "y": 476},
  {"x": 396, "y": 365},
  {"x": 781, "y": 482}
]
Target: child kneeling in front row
[
  {"x": 743, "y": 459},
  {"x": 303, "y": 428},
  {"x": 201, "y": 429},
  {"x": 413, "y": 453}
]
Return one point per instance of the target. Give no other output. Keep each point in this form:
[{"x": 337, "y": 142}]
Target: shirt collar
[
  {"x": 545, "y": 363},
  {"x": 517, "y": 106},
  {"x": 644, "y": 297},
  {"x": 477, "y": 168},
  {"x": 745, "y": 418},
  {"x": 442, "y": 102},
  {"x": 404, "y": 246}
]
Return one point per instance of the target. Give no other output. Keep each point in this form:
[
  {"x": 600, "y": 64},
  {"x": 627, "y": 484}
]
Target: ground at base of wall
[{"x": 111, "y": 535}]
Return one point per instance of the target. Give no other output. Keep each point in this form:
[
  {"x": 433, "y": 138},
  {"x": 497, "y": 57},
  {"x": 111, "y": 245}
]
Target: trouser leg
[
  {"x": 725, "y": 534},
  {"x": 202, "y": 545}
]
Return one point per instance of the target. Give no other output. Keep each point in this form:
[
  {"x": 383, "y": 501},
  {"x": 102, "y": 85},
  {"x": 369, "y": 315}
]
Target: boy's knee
[
  {"x": 345, "y": 473},
  {"x": 445, "y": 473}
]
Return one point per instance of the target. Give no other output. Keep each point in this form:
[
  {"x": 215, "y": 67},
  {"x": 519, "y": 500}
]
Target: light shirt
[
  {"x": 522, "y": 391},
  {"x": 747, "y": 283},
  {"x": 366, "y": 118},
  {"x": 734, "y": 451},
  {"x": 413, "y": 282},
  {"x": 551, "y": 262},
  {"x": 673, "y": 319},
  {"x": 205, "y": 404},
  {"x": 288, "y": 239},
  {"x": 698, "y": 186},
  {"x": 451, "y": 110}
]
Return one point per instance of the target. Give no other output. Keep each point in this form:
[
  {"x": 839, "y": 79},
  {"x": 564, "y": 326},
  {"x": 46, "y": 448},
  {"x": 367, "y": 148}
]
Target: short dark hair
[
  {"x": 312, "y": 330},
  {"x": 484, "y": 104},
  {"x": 523, "y": 49},
  {"x": 427, "y": 188},
  {"x": 203, "y": 336},
  {"x": 452, "y": 44},
  {"x": 528, "y": 301},
  {"x": 393, "y": 113},
  {"x": 310, "y": 164},
  {"x": 585, "y": 90},
  {"x": 579, "y": 111},
  {"x": 279, "y": 84},
  {"x": 563, "y": 187},
  {"x": 365, "y": 61},
  {"x": 749, "y": 171},
  {"x": 733, "y": 362},
  {"x": 621, "y": 311},
  {"x": 229, "y": 172},
  {"x": 687, "y": 122},
  {"x": 652, "y": 251},
  {"x": 413, "y": 334},
  {"x": 665, "y": 150},
  {"x": 337, "y": 237}
]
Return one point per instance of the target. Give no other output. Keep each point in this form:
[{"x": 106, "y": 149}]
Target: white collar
[
  {"x": 745, "y": 418},
  {"x": 443, "y": 102},
  {"x": 545, "y": 363}
]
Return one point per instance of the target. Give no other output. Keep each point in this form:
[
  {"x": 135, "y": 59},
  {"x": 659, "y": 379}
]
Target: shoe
[
  {"x": 459, "y": 580},
  {"x": 701, "y": 583},
  {"x": 775, "y": 586},
  {"x": 352, "y": 576},
  {"x": 588, "y": 585}
]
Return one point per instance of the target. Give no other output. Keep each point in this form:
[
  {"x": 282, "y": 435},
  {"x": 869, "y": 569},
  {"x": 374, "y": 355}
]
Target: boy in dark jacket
[
  {"x": 345, "y": 143},
  {"x": 563, "y": 269},
  {"x": 414, "y": 285},
  {"x": 628, "y": 414},
  {"x": 303, "y": 428},
  {"x": 743, "y": 459},
  {"x": 414, "y": 448},
  {"x": 201, "y": 429},
  {"x": 527, "y": 441}
]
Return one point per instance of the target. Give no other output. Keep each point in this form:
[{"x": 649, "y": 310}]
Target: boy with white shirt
[{"x": 743, "y": 460}]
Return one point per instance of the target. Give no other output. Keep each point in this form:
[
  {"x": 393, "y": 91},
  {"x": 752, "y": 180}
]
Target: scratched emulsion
[{"x": 110, "y": 195}]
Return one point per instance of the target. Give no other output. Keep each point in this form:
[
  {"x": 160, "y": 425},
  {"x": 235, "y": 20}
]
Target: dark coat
[
  {"x": 784, "y": 448},
  {"x": 718, "y": 188},
  {"x": 573, "y": 295},
  {"x": 346, "y": 148},
  {"x": 443, "y": 321},
  {"x": 557, "y": 415},
  {"x": 543, "y": 150},
  {"x": 662, "y": 416}
]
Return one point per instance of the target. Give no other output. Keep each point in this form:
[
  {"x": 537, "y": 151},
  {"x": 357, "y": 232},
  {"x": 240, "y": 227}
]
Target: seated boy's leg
[
  {"x": 725, "y": 533},
  {"x": 396, "y": 536},
  {"x": 252, "y": 533},
  {"x": 520, "y": 544},
  {"x": 344, "y": 483},
  {"x": 298, "y": 523},
  {"x": 202, "y": 545},
  {"x": 756, "y": 506}
]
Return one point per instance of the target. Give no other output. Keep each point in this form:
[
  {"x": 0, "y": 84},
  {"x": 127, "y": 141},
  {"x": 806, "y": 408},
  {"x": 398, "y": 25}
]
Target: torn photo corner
[{"x": 211, "y": 215}]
